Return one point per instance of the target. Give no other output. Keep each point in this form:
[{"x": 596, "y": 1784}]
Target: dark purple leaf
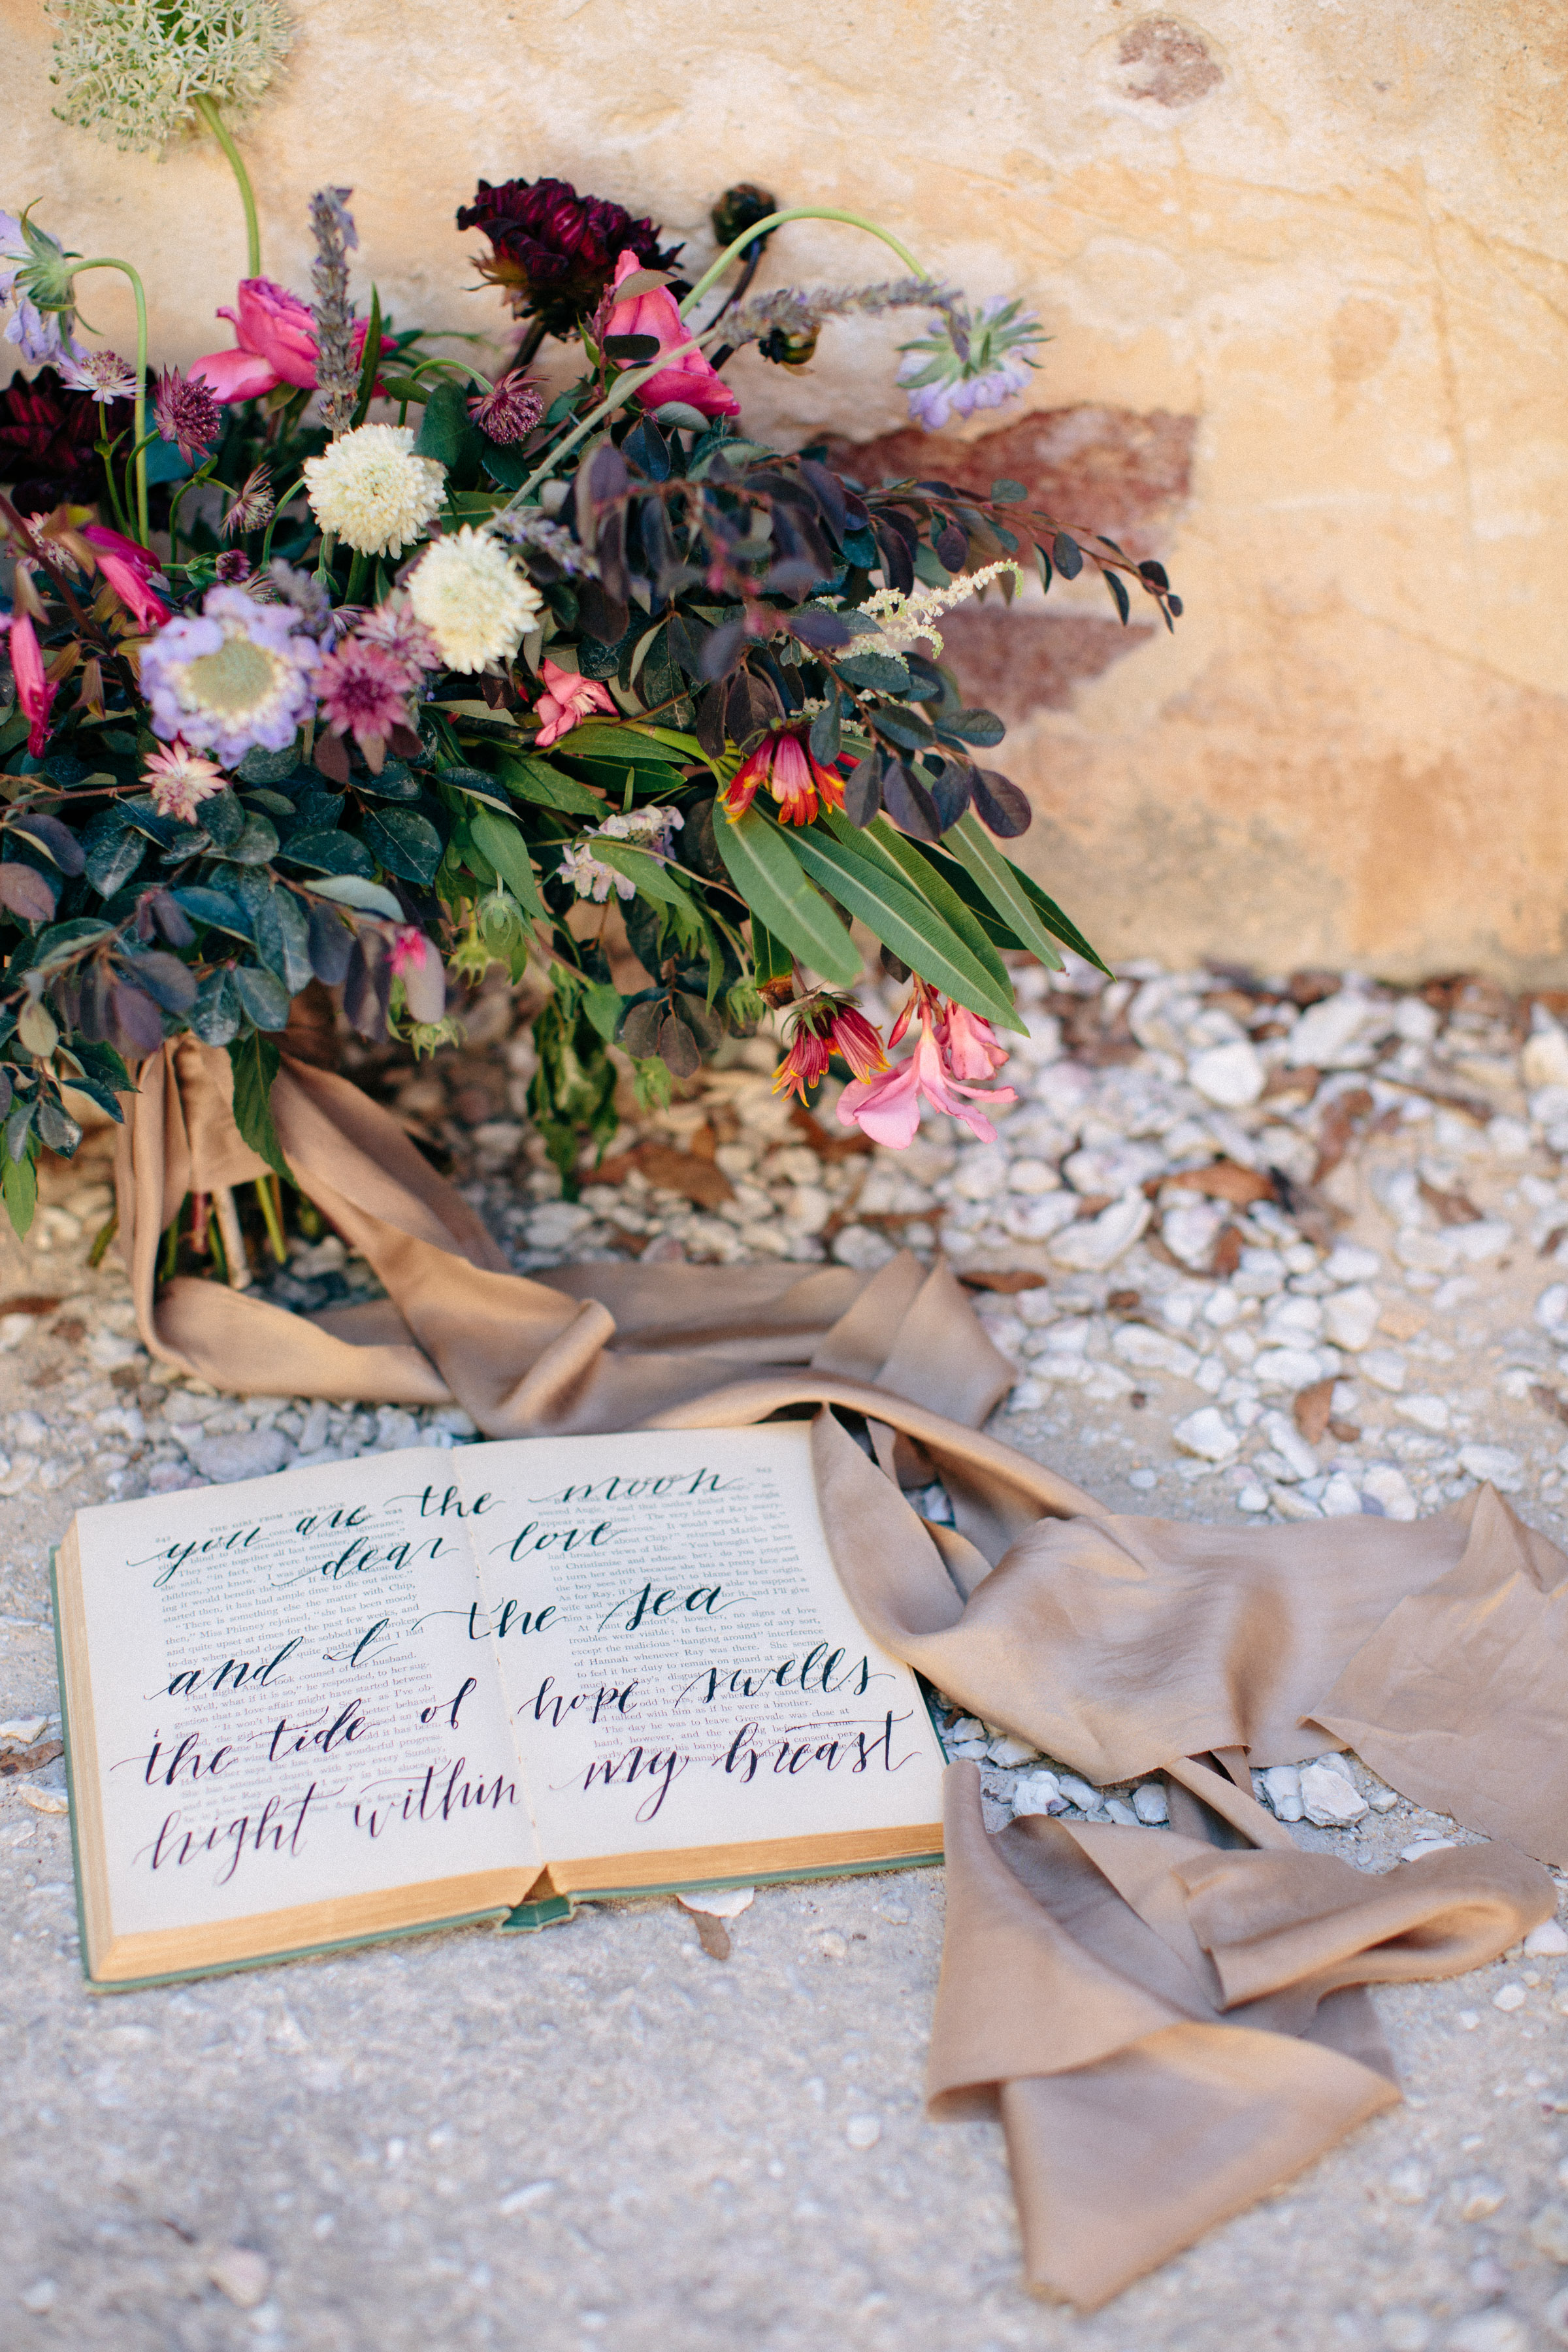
[
  {"x": 722, "y": 649},
  {"x": 640, "y": 1029},
  {"x": 54, "y": 839},
  {"x": 825, "y": 729},
  {"x": 982, "y": 727},
  {"x": 1155, "y": 573},
  {"x": 949, "y": 790},
  {"x": 602, "y": 619},
  {"x": 332, "y": 756},
  {"x": 611, "y": 552},
  {"x": 908, "y": 803},
  {"x": 999, "y": 805},
  {"x": 25, "y": 892},
  {"x": 367, "y": 987},
  {"x": 1174, "y": 605},
  {"x": 135, "y": 1025},
  {"x": 170, "y": 916},
  {"x": 1119, "y": 596},
  {"x": 678, "y": 1048},
  {"x": 607, "y": 476},
  {"x": 863, "y": 789},
  {"x": 1068, "y": 555},
  {"x": 709, "y": 728},
  {"x": 823, "y": 632},
  {"x": 829, "y": 492},
  {"x": 332, "y": 944},
  {"x": 952, "y": 549},
  {"x": 632, "y": 351},
  {"x": 165, "y": 979}
]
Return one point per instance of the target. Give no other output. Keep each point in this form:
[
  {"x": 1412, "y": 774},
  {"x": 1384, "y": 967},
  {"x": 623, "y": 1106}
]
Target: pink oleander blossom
[
  {"x": 35, "y": 695},
  {"x": 364, "y": 691},
  {"x": 566, "y": 702},
  {"x": 275, "y": 337},
  {"x": 690, "y": 378},
  {"x": 969, "y": 1044},
  {"x": 181, "y": 780},
  {"x": 128, "y": 569},
  {"x": 888, "y": 1108}
]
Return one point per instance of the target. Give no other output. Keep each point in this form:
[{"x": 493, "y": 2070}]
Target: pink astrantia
[
  {"x": 689, "y": 378},
  {"x": 35, "y": 695},
  {"x": 888, "y": 1108},
  {"x": 566, "y": 702},
  {"x": 364, "y": 691},
  {"x": 179, "y": 780},
  {"x": 128, "y": 568},
  {"x": 394, "y": 628}
]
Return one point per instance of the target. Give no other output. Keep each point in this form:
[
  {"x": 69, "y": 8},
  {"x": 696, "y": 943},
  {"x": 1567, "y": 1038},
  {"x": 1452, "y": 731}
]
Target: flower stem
[
  {"x": 104, "y": 262},
  {"x": 795, "y": 211},
  {"x": 357, "y": 570},
  {"x": 625, "y": 385},
  {"x": 208, "y": 109}
]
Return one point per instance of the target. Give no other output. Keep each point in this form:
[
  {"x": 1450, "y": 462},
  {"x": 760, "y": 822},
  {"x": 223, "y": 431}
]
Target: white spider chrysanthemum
[
  {"x": 473, "y": 599},
  {"x": 133, "y": 69},
  {"x": 371, "y": 492},
  {"x": 906, "y": 618}
]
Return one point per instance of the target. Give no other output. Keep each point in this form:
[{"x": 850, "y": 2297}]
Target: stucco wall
[{"x": 1317, "y": 248}]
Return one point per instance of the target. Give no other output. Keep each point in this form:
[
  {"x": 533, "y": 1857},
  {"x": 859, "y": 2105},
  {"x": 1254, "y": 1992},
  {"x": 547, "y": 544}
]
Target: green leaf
[
  {"x": 254, "y": 1060},
  {"x": 217, "y": 1012},
  {"x": 770, "y": 957},
  {"x": 447, "y": 432},
  {"x": 917, "y": 869},
  {"x": 1029, "y": 915},
  {"x": 263, "y": 995},
  {"x": 530, "y": 779},
  {"x": 283, "y": 939},
  {"x": 354, "y": 890},
  {"x": 405, "y": 842},
  {"x": 19, "y": 1181},
  {"x": 499, "y": 840},
  {"x": 370, "y": 362},
  {"x": 330, "y": 853},
  {"x": 782, "y": 897},
  {"x": 604, "y": 1005},
  {"x": 654, "y": 880},
  {"x": 256, "y": 842},
  {"x": 1059, "y": 924},
  {"x": 878, "y": 673},
  {"x": 478, "y": 783},
  {"x": 907, "y": 923}
]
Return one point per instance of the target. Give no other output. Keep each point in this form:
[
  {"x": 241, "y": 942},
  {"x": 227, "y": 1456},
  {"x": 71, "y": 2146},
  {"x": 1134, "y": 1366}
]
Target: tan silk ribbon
[{"x": 1166, "y": 2030}]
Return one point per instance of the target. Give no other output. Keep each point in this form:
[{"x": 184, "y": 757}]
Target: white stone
[
  {"x": 1426, "y": 1411},
  {"x": 43, "y": 2294},
  {"x": 1260, "y": 1273},
  {"x": 1209, "y": 1434},
  {"x": 1293, "y": 1322},
  {"x": 807, "y": 1208},
  {"x": 1153, "y": 1352},
  {"x": 981, "y": 1174},
  {"x": 1121, "y": 1814},
  {"x": 1495, "y": 1465},
  {"x": 1112, "y": 1167},
  {"x": 1418, "y": 1848},
  {"x": 1080, "y": 1793},
  {"x": 1409, "y": 2182},
  {"x": 863, "y": 2131},
  {"x": 1282, "y": 1784},
  {"x": 1425, "y": 1253},
  {"x": 23, "y": 1730},
  {"x": 1149, "y": 1804},
  {"x": 1094, "y": 1243},
  {"x": 1548, "y": 1941},
  {"x": 1479, "y": 2197},
  {"x": 1339, "y": 1498},
  {"x": 1405, "y": 2329},
  {"x": 1549, "y": 2232},
  {"x": 1037, "y": 1792},
  {"x": 719, "y": 1903},
  {"x": 1009, "y": 1751},
  {"x": 43, "y": 1797},
  {"x": 1489, "y": 2331},
  {"x": 241, "y": 2274},
  {"x": 109, "y": 1351},
  {"x": 1328, "y": 1798},
  {"x": 553, "y": 1225},
  {"x": 1544, "y": 1061},
  {"x": 1190, "y": 1228},
  {"x": 1033, "y": 1176},
  {"x": 1349, "y": 1262},
  {"x": 1350, "y": 1318},
  {"x": 1479, "y": 1242},
  {"x": 1389, "y": 1488},
  {"x": 1287, "y": 1368},
  {"x": 864, "y": 1249},
  {"x": 1252, "y": 1498},
  {"x": 248, "y": 1454},
  {"x": 1384, "y": 1368},
  {"x": 1287, "y": 1441},
  {"x": 1325, "y": 1029},
  {"x": 1035, "y": 1219},
  {"x": 1231, "y": 1076},
  {"x": 1552, "y": 1307}
]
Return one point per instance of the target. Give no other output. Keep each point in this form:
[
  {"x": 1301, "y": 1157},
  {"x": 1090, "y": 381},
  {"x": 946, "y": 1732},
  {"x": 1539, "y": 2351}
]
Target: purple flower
[
  {"x": 104, "y": 374},
  {"x": 970, "y": 360},
  {"x": 238, "y": 677},
  {"x": 510, "y": 411},
  {"x": 186, "y": 413},
  {"x": 37, "y": 334}
]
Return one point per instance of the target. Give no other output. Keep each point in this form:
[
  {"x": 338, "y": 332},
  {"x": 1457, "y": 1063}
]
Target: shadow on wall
[{"x": 1093, "y": 468}]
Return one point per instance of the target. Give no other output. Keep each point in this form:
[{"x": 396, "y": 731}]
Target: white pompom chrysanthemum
[
  {"x": 371, "y": 492},
  {"x": 473, "y": 599}
]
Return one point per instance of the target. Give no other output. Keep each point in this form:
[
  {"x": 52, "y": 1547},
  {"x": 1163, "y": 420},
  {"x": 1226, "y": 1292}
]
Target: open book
[{"x": 428, "y": 1686}]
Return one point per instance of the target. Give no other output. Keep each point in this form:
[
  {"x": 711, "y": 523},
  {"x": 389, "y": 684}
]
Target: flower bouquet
[{"x": 334, "y": 659}]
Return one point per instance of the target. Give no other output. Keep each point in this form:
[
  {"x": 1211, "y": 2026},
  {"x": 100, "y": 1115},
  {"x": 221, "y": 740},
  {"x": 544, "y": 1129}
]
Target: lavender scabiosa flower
[
  {"x": 185, "y": 413},
  {"x": 332, "y": 227},
  {"x": 252, "y": 504},
  {"x": 971, "y": 358},
  {"x": 102, "y": 374},
  {"x": 509, "y": 410},
  {"x": 237, "y": 677}
]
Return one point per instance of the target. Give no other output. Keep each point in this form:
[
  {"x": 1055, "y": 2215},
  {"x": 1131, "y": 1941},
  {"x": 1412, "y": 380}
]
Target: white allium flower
[
  {"x": 133, "y": 69},
  {"x": 373, "y": 491},
  {"x": 473, "y": 599}
]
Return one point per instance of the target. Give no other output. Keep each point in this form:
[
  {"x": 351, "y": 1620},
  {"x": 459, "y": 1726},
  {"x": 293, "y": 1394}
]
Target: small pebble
[
  {"x": 1549, "y": 2232},
  {"x": 42, "y": 2295},
  {"x": 1408, "y": 2182},
  {"x": 240, "y": 2274},
  {"x": 863, "y": 2131},
  {"x": 1477, "y": 2198},
  {"x": 1509, "y": 1997}
]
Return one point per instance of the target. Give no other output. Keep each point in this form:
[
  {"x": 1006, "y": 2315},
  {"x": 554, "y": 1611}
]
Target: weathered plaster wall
[{"x": 1335, "y": 237}]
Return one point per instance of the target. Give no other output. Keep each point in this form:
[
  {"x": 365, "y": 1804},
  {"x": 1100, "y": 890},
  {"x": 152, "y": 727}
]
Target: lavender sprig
[
  {"x": 797, "y": 313},
  {"x": 528, "y": 527},
  {"x": 331, "y": 225}
]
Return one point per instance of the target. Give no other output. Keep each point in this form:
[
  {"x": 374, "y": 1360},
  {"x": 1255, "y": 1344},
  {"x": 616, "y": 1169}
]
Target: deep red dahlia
[
  {"x": 555, "y": 251},
  {"x": 46, "y": 435}
]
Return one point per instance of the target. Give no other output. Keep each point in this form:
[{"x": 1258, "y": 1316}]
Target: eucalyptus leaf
[
  {"x": 330, "y": 853},
  {"x": 217, "y": 1012}
]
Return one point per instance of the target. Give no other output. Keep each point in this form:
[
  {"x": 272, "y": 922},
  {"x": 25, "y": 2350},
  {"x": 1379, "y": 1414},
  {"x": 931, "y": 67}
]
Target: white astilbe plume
[
  {"x": 904, "y": 619},
  {"x": 133, "y": 69}
]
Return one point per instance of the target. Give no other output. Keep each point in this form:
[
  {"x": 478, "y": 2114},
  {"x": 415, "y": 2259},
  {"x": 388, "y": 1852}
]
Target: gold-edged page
[
  {"x": 684, "y": 1670},
  {"x": 285, "y": 1710}
]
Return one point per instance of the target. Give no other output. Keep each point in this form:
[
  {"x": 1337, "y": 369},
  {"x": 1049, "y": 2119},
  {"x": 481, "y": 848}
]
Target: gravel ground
[{"x": 1267, "y": 1251}]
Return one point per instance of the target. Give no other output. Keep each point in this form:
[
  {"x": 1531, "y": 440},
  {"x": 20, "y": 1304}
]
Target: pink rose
[
  {"x": 276, "y": 345},
  {"x": 566, "y": 703},
  {"x": 690, "y": 378}
]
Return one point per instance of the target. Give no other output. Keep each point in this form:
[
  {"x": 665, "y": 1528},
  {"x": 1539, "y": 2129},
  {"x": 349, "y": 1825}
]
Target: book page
[
  {"x": 682, "y": 1666},
  {"x": 293, "y": 1696}
]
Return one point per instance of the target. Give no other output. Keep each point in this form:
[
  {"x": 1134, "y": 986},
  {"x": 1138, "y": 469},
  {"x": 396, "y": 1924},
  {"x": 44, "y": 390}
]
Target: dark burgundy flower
[
  {"x": 46, "y": 435},
  {"x": 555, "y": 251},
  {"x": 509, "y": 410}
]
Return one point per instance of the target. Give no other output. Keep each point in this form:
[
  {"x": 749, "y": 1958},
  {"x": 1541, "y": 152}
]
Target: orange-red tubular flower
[
  {"x": 783, "y": 760},
  {"x": 826, "y": 1025}
]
